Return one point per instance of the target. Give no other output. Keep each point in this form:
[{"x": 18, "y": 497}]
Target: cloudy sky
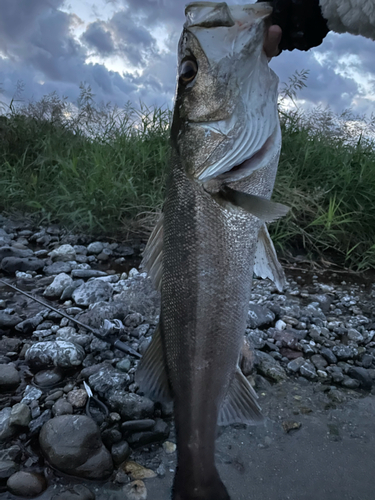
[{"x": 126, "y": 50}]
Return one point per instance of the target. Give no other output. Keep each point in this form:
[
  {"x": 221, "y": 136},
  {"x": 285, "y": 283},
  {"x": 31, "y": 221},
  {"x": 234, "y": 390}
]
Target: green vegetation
[{"x": 102, "y": 170}]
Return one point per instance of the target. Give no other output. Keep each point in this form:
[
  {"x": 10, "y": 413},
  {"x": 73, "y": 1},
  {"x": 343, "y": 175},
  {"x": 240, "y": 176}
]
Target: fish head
[{"x": 225, "y": 122}]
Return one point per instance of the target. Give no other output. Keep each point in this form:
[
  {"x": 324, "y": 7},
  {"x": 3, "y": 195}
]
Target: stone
[
  {"x": 63, "y": 253},
  {"x": 36, "y": 424},
  {"x": 20, "y": 415},
  {"x": 62, "y": 407},
  {"x": 72, "y": 444},
  {"x": 269, "y": 367},
  {"x": 77, "y": 492},
  {"x": 58, "y": 353},
  {"x": 77, "y": 398},
  {"x": 136, "y": 490},
  {"x": 9, "y": 378},
  {"x": 319, "y": 362},
  {"x": 56, "y": 288},
  {"x": 124, "y": 365},
  {"x": 133, "y": 320},
  {"x": 92, "y": 292},
  {"x": 7, "y": 251},
  {"x": 280, "y": 324},
  {"x": 95, "y": 248},
  {"x": 69, "y": 334},
  {"x": 111, "y": 436},
  {"x": 290, "y": 425},
  {"x": 130, "y": 406},
  {"x": 120, "y": 452},
  {"x": 169, "y": 447},
  {"x": 354, "y": 335},
  {"x": 138, "y": 425},
  {"x": 137, "y": 471},
  {"x": 107, "y": 378},
  {"x": 26, "y": 484},
  {"x": 350, "y": 383},
  {"x": 344, "y": 352},
  {"x": 158, "y": 434},
  {"x": 12, "y": 264},
  {"x": 362, "y": 375},
  {"x": 259, "y": 316},
  {"x": 307, "y": 370},
  {"x": 58, "y": 268},
  {"x": 8, "y": 321},
  {"x": 7, "y": 468},
  {"x": 31, "y": 394},
  {"x": 295, "y": 365},
  {"x": 328, "y": 355},
  {"x": 49, "y": 378},
  {"x": 6, "y": 430},
  {"x": 367, "y": 360},
  {"x": 28, "y": 325},
  {"x": 13, "y": 453},
  {"x": 88, "y": 273}
]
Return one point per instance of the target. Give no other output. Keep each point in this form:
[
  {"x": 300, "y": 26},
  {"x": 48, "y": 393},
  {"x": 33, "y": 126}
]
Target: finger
[{"x": 272, "y": 40}]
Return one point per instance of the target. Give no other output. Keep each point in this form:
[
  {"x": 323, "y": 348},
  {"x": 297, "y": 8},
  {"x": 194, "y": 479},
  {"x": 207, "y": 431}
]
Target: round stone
[{"x": 26, "y": 484}]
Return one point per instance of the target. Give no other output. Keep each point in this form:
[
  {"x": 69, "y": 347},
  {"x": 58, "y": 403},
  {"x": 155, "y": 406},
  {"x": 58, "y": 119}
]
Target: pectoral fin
[
  {"x": 266, "y": 264},
  {"x": 240, "y": 405},
  {"x": 264, "y": 209},
  {"x": 151, "y": 375},
  {"x": 152, "y": 254}
]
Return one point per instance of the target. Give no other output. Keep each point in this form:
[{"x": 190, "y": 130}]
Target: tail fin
[{"x": 212, "y": 488}]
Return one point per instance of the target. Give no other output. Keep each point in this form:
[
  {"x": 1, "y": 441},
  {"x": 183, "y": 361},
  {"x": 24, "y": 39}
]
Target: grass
[{"x": 101, "y": 170}]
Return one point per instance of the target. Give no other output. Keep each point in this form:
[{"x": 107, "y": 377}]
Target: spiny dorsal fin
[
  {"x": 152, "y": 254},
  {"x": 240, "y": 405},
  {"x": 266, "y": 264},
  {"x": 264, "y": 209},
  {"x": 151, "y": 375}
]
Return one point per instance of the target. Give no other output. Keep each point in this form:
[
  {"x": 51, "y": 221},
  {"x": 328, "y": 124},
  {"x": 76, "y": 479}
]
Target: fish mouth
[{"x": 259, "y": 159}]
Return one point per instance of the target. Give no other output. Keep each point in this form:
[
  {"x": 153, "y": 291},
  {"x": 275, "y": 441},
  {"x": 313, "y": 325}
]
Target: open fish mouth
[{"x": 233, "y": 171}]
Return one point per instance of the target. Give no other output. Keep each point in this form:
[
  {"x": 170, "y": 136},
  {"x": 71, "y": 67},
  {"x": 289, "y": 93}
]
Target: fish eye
[{"x": 188, "y": 70}]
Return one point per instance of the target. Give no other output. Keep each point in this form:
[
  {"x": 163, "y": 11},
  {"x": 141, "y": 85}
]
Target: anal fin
[
  {"x": 151, "y": 375},
  {"x": 266, "y": 264},
  {"x": 240, "y": 405}
]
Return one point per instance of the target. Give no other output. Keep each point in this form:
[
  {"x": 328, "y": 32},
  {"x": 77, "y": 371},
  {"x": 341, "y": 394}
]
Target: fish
[{"x": 212, "y": 234}]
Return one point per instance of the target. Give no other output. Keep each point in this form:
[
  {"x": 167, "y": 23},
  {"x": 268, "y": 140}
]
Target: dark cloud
[{"x": 98, "y": 38}]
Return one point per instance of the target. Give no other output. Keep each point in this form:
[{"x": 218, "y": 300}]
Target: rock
[
  {"x": 328, "y": 355},
  {"x": 169, "y": 447},
  {"x": 259, "y": 316},
  {"x": 48, "y": 378},
  {"x": 78, "y": 492},
  {"x": 77, "y": 398},
  {"x": 95, "y": 248},
  {"x": 87, "y": 273},
  {"x": 131, "y": 406},
  {"x": 58, "y": 353},
  {"x": 362, "y": 375},
  {"x": 58, "y": 268},
  {"x": 6, "y": 430},
  {"x": 124, "y": 365},
  {"x": 295, "y": 364},
  {"x": 31, "y": 394},
  {"x": 344, "y": 352},
  {"x": 354, "y": 335},
  {"x": 280, "y": 324},
  {"x": 158, "y": 434},
  {"x": 308, "y": 370},
  {"x": 133, "y": 320},
  {"x": 62, "y": 407},
  {"x": 13, "y": 453},
  {"x": 367, "y": 360},
  {"x": 350, "y": 383},
  {"x": 111, "y": 436},
  {"x": 64, "y": 253},
  {"x": 7, "y": 468},
  {"x": 9, "y": 378},
  {"x": 95, "y": 317},
  {"x": 136, "y": 490},
  {"x": 290, "y": 425},
  {"x": 26, "y": 484},
  {"x": 137, "y": 471},
  {"x": 56, "y": 288},
  {"x": 36, "y": 424},
  {"x": 12, "y": 264},
  {"x": 138, "y": 425},
  {"x": 120, "y": 452},
  {"x": 336, "y": 374},
  {"x": 269, "y": 367},
  {"x": 319, "y": 362},
  {"x": 73, "y": 445},
  {"x": 69, "y": 334},
  {"x": 8, "y": 321},
  {"x": 7, "y": 251},
  {"x": 20, "y": 415},
  {"x": 92, "y": 292},
  {"x": 29, "y": 325},
  {"x": 107, "y": 378}
]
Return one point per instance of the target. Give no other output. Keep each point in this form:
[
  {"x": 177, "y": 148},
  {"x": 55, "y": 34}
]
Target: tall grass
[{"x": 101, "y": 169}]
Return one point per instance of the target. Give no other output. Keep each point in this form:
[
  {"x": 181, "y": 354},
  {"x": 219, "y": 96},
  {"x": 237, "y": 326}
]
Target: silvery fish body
[{"x": 225, "y": 148}]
